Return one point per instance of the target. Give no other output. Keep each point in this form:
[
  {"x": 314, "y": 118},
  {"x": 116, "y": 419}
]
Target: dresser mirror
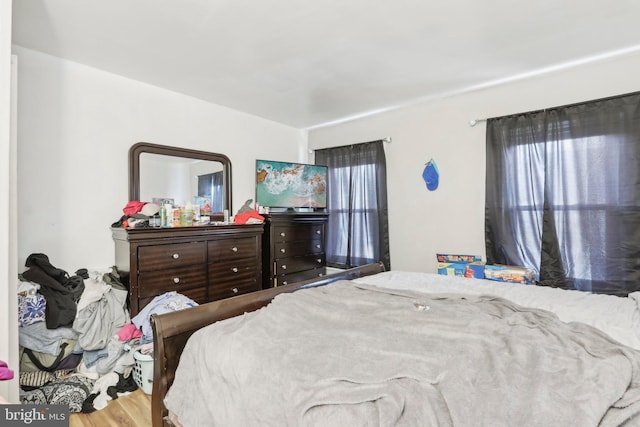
[{"x": 179, "y": 176}]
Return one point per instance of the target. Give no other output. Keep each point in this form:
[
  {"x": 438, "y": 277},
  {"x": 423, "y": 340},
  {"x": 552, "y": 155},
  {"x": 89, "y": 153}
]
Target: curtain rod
[
  {"x": 386, "y": 139},
  {"x": 474, "y": 122}
]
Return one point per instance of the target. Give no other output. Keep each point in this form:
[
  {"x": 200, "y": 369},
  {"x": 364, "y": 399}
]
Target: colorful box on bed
[
  {"x": 465, "y": 269},
  {"x": 509, "y": 273},
  {"x": 460, "y": 265}
]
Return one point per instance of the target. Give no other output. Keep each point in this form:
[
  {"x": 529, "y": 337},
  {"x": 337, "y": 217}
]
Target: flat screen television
[{"x": 290, "y": 185}]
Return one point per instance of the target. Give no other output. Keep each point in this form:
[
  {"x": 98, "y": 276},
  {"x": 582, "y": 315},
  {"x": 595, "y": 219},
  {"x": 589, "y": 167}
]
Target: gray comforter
[{"x": 348, "y": 355}]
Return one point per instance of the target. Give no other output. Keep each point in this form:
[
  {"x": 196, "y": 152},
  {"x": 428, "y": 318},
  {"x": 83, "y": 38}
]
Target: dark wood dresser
[
  {"x": 204, "y": 263},
  {"x": 293, "y": 247}
]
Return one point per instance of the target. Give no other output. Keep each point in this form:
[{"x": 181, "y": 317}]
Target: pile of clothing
[
  {"x": 77, "y": 340},
  {"x": 137, "y": 215}
]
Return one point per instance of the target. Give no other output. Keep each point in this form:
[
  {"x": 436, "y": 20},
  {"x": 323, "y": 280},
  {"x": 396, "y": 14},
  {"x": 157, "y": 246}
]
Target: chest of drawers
[
  {"x": 204, "y": 263},
  {"x": 294, "y": 248}
]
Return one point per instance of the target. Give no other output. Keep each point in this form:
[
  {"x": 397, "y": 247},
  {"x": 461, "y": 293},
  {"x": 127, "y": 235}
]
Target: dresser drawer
[
  {"x": 297, "y": 232},
  {"x": 297, "y": 247},
  {"x": 174, "y": 279},
  {"x": 170, "y": 256},
  {"x": 233, "y": 271},
  {"x": 199, "y": 295},
  {"x": 232, "y": 249},
  {"x": 299, "y": 263},
  {"x": 228, "y": 279},
  {"x": 231, "y": 289},
  {"x": 300, "y": 276}
]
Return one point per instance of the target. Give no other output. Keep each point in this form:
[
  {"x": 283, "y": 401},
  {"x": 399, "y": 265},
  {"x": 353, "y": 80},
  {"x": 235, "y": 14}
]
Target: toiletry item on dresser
[
  {"x": 163, "y": 215},
  {"x": 177, "y": 212},
  {"x": 186, "y": 215}
]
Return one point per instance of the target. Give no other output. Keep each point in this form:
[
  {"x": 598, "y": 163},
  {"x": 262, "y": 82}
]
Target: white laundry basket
[{"x": 143, "y": 371}]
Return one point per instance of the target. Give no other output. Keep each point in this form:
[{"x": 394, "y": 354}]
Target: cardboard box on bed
[
  {"x": 465, "y": 269},
  {"x": 509, "y": 273}
]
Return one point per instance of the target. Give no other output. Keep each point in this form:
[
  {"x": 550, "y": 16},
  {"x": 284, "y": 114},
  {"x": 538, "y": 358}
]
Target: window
[
  {"x": 357, "y": 233},
  {"x": 211, "y": 187},
  {"x": 563, "y": 194}
]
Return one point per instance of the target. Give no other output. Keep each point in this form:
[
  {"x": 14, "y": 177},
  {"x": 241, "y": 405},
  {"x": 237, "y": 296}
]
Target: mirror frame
[{"x": 146, "y": 147}]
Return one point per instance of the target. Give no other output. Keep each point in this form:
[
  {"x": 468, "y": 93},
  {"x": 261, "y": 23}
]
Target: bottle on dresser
[
  {"x": 186, "y": 215},
  {"x": 163, "y": 215},
  {"x": 177, "y": 213}
]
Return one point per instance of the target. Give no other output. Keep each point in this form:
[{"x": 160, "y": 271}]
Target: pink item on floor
[
  {"x": 129, "y": 332},
  {"x": 5, "y": 372}
]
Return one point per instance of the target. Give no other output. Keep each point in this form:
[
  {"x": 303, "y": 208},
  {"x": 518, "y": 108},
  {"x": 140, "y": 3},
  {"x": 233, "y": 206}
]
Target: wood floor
[{"x": 132, "y": 410}]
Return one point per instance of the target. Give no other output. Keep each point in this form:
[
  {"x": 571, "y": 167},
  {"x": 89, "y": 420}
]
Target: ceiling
[{"x": 312, "y": 63}]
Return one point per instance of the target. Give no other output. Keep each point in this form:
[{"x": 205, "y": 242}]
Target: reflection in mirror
[
  {"x": 180, "y": 181},
  {"x": 180, "y": 176}
]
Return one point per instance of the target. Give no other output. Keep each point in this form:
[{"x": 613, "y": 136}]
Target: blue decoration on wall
[{"x": 431, "y": 175}]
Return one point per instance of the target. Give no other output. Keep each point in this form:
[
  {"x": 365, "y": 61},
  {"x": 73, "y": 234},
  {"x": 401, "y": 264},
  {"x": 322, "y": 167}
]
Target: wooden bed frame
[{"x": 172, "y": 330}]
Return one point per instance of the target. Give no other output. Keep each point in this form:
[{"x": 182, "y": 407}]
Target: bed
[
  {"x": 370, "y": 347},
  {"x": 172, "y": 330}
]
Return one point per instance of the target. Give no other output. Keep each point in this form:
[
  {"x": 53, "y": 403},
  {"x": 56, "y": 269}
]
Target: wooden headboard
[{"x": 172, "y": 330}]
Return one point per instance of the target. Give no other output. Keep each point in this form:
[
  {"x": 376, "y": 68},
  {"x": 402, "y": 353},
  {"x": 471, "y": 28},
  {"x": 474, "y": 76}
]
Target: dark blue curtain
[
  {"x": 358, "y": 230},
  {"x": 563, "y": 194}
]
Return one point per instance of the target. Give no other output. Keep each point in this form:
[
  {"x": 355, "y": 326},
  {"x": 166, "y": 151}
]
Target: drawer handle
[
  {"x": 234, "y": 269},
  {"x": 175, "y": 256},
  {"x": 176, "y": 280},
  {"x": 318, "y": 232},
  {"x": 235, "y": 290},
  {"x": 234, "y": 249},
  {"x": 283, "y": 250},
  {"x": 282, "y": 234},
  {"x": 319, "y": 260},
  {"x": 284, "y": 267}
]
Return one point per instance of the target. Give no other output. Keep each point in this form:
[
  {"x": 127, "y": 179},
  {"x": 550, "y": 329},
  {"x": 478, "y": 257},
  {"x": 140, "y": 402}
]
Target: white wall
[
  {"x": 76, "y": 125},
  {"x": 8, "y": 270},
  {"x": 451, "y": 219}
]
